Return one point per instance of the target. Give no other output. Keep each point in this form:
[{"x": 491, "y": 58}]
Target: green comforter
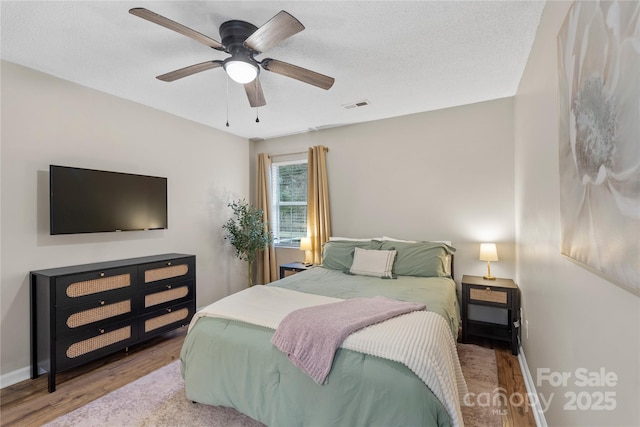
[
  {"x": 438, "y": 293},
  {"x": 234, "y": 364}
]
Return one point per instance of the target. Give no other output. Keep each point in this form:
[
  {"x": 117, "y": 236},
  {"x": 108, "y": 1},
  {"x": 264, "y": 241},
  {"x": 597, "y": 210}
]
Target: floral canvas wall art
[{"x": 599, "y": 147}]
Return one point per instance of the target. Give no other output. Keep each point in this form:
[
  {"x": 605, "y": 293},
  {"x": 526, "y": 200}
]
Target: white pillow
[{"x": 370, "y": 262}]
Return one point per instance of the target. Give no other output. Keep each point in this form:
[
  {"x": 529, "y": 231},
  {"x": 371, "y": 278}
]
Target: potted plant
[{"x": 247, "y": 232}]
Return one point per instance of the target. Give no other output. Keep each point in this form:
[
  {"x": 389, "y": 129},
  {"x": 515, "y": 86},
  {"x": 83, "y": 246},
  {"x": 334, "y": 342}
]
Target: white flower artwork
[{"x": 599, "y": 146}]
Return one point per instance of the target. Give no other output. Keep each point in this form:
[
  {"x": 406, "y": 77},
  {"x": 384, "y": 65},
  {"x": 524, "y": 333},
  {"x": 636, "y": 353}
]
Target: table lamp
[
  {"x": 488, "y": 252},
  {"x": 305, "y": 245}
]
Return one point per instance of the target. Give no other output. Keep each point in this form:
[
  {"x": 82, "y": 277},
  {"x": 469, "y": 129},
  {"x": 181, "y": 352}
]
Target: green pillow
[
  {"x": 424, "y": 259},
  {"x": 338, "y": 254}
]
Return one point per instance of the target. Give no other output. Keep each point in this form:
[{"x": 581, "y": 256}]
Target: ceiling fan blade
[
  {"x": 298, "y": 73},
  {"x": 187, "y": 71},
  {"x": 179, "y": 28},
  {"x": 255, "y": 94},
  {"x": 280, "y": 27}
]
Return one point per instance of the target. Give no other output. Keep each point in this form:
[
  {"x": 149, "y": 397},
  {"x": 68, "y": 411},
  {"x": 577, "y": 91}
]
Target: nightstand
[
  {"x": 292, "y": 268},
  {"x": 491, "y": 309}
]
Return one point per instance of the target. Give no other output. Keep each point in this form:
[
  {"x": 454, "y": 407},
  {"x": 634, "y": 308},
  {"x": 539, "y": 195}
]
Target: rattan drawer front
[
  {"x": 163, "y": 273},
  {"x": 92, "y": 344},
  {"x": 488, "y": 295},
  {"x": 85, "y": 288},
  {"x": 90, "y": 287},
  {"x": 97, "y": 314},
  {"x": 171, "y": 317},
  {"x": 165, "y": 296}
]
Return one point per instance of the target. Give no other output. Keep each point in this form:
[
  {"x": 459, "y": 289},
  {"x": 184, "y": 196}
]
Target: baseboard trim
[
  {"x": 538, "y": 413},
  {"x": 15, "y": 377}
]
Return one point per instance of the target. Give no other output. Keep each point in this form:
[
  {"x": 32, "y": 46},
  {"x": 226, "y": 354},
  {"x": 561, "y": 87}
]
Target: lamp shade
[
  {"x": 488, "y": 252},
  {"x": 305, "y": 244}
]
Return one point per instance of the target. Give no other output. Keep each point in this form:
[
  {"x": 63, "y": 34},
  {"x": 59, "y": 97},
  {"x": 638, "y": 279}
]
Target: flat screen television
[{"x": 95, "y": 201}]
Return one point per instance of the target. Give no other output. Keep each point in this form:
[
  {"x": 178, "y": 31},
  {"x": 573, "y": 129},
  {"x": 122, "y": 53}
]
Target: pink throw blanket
[{"x": 311, "y": 336}]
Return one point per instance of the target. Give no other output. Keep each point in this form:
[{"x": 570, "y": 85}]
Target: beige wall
[
  {"x": 576, "y": 318},
  {"x": 442, "y": 175},
  {"x": 46, "y": 121}
]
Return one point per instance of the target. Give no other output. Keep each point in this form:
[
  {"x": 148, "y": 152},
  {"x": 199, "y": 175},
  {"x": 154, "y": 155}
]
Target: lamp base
[
  {"x": 307, "y": 259},
  {"x": 488, "y": 276}
]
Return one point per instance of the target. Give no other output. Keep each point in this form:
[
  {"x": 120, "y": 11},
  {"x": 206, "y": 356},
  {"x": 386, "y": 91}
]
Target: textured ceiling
[{"x": 401, "y": 57}]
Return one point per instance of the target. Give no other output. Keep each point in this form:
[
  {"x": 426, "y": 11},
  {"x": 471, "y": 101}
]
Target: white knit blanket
[{"x": 420, "y": 340}]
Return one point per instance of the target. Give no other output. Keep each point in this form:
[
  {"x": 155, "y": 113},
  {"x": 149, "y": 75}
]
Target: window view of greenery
[{"x": 290, "y": 203}]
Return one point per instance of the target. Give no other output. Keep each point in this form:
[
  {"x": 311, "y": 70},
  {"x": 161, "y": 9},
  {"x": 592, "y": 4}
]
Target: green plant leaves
[{"x": 247, "y": 231}]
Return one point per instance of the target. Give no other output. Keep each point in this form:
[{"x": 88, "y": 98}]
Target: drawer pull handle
[
  {"x": 169, "y": 263},
  {"x": 168, "y": 286},
  {"x": 488, "y": 290},
  {"x": 101, "y": 302},
  {"x": 102, "y": 331},
  {"x": 168, "y": 310},
  {"x": 101, "y": 274}
]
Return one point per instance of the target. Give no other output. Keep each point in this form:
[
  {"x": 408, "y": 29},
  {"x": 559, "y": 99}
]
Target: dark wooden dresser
[{"x": 83, "y": 312}]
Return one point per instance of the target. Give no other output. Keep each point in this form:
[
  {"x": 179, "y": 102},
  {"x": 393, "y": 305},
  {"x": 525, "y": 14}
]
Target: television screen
[{"x": 93, "y": 201}]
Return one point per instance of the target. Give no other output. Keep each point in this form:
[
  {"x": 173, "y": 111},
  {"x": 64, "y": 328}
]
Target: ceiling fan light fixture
[
  {"x": 242, "y": 40},
  {"x": 241, "y": 70}
]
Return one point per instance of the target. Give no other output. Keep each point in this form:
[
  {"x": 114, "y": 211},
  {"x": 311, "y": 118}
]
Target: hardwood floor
[
  {"x": 520, "y": 412},
  {"x": 29, "y": 404}
]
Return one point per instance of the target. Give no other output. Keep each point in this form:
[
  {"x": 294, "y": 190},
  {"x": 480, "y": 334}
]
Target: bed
[{"x": 228, "y": 358}]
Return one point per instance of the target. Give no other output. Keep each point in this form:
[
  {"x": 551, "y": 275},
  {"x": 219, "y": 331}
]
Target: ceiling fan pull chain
[
  {"x": 255, "y": 82},
  {"x": 227, "y": 101}
]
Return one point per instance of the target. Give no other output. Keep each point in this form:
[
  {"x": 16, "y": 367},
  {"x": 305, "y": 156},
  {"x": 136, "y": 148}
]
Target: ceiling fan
[{"x": 243, "y": 41}]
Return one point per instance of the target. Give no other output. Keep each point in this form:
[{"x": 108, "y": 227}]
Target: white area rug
[{"x": 157, "y": 399}]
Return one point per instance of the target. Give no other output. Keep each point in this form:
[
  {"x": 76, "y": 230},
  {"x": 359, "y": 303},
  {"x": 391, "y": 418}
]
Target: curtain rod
[{"x": 326, "y": 149}]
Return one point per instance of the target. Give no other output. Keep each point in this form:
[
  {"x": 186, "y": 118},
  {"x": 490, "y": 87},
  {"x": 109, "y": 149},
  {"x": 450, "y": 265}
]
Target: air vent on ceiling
[{"x": 355, "y": 104}]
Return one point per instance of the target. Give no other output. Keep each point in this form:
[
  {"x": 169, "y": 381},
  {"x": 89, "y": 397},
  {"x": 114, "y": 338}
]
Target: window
[{"x": 289, "y": 202}]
